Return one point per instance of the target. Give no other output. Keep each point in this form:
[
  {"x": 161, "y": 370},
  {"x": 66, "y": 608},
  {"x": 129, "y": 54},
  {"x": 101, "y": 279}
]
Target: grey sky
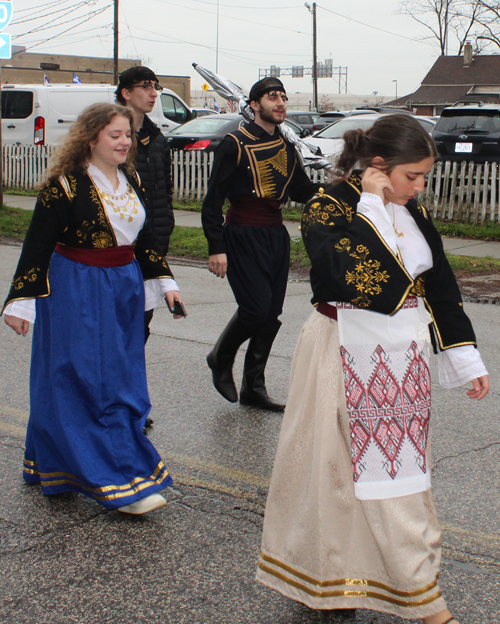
[{"x": 169, "y": 35}]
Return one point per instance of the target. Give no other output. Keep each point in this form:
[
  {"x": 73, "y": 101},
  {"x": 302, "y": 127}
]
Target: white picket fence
[
  {"x": 465, "y": 192},
  {"x": 24, "y": 165}
]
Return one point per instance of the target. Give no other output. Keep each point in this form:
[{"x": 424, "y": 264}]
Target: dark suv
[{"x": 468, "y": 132}]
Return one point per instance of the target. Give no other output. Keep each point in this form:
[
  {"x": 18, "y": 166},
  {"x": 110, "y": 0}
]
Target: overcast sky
[{"x": 376, "y": 44}]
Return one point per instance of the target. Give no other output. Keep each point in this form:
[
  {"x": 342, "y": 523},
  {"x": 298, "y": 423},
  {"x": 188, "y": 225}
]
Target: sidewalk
[{"x": 185, "y": 218}]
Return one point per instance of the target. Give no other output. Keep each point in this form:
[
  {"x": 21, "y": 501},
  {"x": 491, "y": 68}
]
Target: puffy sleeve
[{"x": 49, "y": 221}]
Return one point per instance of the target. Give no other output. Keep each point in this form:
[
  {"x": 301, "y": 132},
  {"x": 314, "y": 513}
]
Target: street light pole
[
  {"x": 396, "y": 88},
  {"x": 217, "y": 42},
  {"x": 115, "y": 59},
  {"x": 312, "y": 10}
]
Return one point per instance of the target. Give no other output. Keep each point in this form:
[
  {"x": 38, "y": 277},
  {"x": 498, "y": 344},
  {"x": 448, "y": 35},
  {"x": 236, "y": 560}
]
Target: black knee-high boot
[
  {"x": 221, "y": 358},
  {"x": 253, "y": 388}
]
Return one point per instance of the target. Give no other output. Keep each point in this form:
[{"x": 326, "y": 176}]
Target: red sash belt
[
  {"x": 109, "y": 257},
  {"x": 328, "y": 310},
  {"x": 254, "y": 212}
]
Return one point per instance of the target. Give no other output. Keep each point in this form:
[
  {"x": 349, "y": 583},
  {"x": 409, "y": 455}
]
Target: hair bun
[{"x": 355, "y": 140}]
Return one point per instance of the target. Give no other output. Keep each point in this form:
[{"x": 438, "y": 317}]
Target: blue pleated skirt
[{"x": 88, "y": 389}]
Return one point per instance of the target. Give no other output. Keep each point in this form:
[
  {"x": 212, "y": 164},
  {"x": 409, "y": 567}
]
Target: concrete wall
[
  {"x": 24, "y": 68},
  {"x": 302, "y": 101}
]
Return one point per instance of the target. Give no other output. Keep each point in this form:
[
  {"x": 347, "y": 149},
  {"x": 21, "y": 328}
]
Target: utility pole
[
  {"x": 315, "y": 60},
  {"x": 315, "y": 56},
  {"x": 217, "y": 42},
  {"x": 115, "y": 61}
]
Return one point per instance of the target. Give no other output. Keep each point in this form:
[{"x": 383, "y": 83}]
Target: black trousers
[{"x": 258, "y": 260}]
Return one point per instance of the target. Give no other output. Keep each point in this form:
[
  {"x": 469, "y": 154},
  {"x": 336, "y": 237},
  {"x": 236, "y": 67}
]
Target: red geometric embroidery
[
  {"x": 387, "y": 412},
  {"x": 354, "y": 388},
  {"x": 417, "y": 391}
]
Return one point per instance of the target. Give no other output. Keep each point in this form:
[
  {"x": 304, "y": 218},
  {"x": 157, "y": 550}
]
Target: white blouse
[
  {"x": 458, "y": 365},
  {"x": 126, "y": 216}
]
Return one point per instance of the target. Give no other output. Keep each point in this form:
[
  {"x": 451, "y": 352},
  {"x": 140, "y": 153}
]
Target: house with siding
[{"x": 466, "y": 78}]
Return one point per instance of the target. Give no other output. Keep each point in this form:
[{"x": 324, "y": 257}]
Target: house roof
[{"x": 449, "y": 81}]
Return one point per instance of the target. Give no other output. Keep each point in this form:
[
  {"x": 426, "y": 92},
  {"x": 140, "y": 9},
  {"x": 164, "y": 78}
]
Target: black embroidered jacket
[
  {"x": 351, "y": 262},
  {"x": 69, "y": 211},
  {"x": 252, "y": 163}
]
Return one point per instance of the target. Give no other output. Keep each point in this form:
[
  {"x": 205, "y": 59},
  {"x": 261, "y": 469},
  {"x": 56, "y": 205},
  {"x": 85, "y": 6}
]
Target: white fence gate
[{"x": 465, "y": 192}]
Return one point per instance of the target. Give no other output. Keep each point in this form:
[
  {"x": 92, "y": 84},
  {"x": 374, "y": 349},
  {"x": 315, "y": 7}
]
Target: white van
[{"x": 42, "y": 114}]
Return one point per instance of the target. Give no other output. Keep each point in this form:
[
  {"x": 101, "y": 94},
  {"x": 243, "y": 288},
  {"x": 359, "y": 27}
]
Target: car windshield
[
  {"x": 305, "y": 118},
  {"x": 338, "y": 128},
  {"x": 461, "y": 122},
  {"x": 208, "y": 124}
]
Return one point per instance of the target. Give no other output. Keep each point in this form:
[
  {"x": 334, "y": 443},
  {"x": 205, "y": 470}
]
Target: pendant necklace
[{"x": 398, "y": 233}]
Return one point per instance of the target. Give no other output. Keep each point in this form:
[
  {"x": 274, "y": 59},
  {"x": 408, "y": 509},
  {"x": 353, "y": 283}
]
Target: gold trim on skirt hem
[
  {"x": 128, "y": 489},
  {"x": 349, "y": 582}
]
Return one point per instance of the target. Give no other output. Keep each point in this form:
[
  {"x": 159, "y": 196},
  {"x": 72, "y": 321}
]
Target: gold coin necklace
[{"x": 126, "y": 204}]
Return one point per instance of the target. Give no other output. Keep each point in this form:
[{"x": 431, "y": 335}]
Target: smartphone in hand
[{"x": 179, "y": 308}]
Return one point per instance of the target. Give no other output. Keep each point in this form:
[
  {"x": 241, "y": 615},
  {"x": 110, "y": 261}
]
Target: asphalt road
[{"x": 65, "y": 560}]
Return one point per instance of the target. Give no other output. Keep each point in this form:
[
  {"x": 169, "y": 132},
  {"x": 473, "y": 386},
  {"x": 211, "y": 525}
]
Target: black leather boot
[
  {"x": 253, "y": 389},
  {"x": 221, "y": 358}
]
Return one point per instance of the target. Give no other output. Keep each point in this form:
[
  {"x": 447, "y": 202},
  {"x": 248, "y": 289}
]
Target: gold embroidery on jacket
[
  {"x": 155, "y": 257},
  {"x": 366, "y": 276},
  {"x": 101, "y": 215},
  {"x": 418, "y": 287},
  {"x": 423, "y": 210},
  {"x": 69, "y": 186},
  {"x": 102, "y": 240},
  {"x": 29, "y": 276},
  {"x": 318, "y": 212},
  {"x": 267, "y": 169},
  {"x": 47, "y": 194}
]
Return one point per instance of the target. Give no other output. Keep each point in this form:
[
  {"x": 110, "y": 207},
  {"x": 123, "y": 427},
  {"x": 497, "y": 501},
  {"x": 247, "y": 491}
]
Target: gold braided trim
[
  {"x": 440, "y": 339},
  {"x": 352, "y": 593},
  {"x": 136, "y": 485},
  {"x": 244, "y": 131}
]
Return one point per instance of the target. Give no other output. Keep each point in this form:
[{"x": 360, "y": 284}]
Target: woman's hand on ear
[{"x": 375, "y": 181}]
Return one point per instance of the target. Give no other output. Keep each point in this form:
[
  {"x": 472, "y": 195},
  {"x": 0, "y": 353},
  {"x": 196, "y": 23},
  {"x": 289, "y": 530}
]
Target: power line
[
  {"x": 182, "y": 41},
  {"x": 54, "y": 24},
  {"x": 46, "y": 5},
  {"x": 253, "y": 7},
  {"x": 37, "y": 17},
  {"x": 86, "y": 19},
  {"x": 387, "y": 32},
  {"x": 238, "y": 19}
]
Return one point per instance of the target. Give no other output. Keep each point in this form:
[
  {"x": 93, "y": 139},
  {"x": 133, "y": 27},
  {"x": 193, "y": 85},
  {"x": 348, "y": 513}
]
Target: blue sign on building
[
  {"x": 5, "y": 15},
  {"x": 5, "y": 46}
]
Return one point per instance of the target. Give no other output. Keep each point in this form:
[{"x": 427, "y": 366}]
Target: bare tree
[{"x": 453, "y": 22}]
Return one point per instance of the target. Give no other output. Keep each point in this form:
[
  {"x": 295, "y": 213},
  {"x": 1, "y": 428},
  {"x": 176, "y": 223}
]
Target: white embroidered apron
[{"x": 388, "y": 393}]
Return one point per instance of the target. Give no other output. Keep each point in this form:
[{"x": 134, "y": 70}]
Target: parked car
[
  {"x": 330, "y": 140},
  {"x": 469, "y": 132},
  {"x": 329, "y": 117},
  {"x": 42, "y": 114},
  {"x": 306, "y": 119},
  {"x": 202, "y": 112},
  {"x": 205, "y": 133}
]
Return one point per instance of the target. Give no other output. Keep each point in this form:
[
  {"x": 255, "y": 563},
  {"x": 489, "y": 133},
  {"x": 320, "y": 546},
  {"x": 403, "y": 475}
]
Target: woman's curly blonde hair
[{"x": 75, "y": 152}]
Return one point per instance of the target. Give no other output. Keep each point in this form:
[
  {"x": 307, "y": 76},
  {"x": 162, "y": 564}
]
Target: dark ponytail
[{"x": 398, "y": 139}]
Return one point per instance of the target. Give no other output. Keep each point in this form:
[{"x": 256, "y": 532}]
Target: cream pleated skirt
[{"x": 322, "y": 546}]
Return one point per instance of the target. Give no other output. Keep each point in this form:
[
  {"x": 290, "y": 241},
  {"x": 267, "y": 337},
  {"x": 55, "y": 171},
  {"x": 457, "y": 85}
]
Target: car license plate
[{"x": 463, "y": 147}]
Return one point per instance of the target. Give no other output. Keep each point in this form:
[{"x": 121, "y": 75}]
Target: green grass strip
[{"x": 190, "y": 242}]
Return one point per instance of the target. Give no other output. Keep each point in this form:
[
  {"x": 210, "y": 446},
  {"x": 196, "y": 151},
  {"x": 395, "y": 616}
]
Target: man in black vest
[
  {"x": 257, "y": 170},
  {"x": 138, "y": 89}
]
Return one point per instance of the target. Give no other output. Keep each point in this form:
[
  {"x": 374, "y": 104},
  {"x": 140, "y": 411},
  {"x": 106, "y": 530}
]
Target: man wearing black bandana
[{"x": 257, "y": 170}]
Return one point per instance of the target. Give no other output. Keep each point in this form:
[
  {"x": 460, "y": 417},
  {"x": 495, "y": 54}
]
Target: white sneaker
[{"x": 150, "y": 503}]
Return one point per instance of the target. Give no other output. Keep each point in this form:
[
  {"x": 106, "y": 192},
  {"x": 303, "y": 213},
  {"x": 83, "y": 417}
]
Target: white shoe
[{"x": 150, "y": 503}]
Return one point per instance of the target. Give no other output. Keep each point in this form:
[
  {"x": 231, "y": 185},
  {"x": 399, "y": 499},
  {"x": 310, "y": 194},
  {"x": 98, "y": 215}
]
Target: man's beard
[{"x": 268, "y": 117}]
